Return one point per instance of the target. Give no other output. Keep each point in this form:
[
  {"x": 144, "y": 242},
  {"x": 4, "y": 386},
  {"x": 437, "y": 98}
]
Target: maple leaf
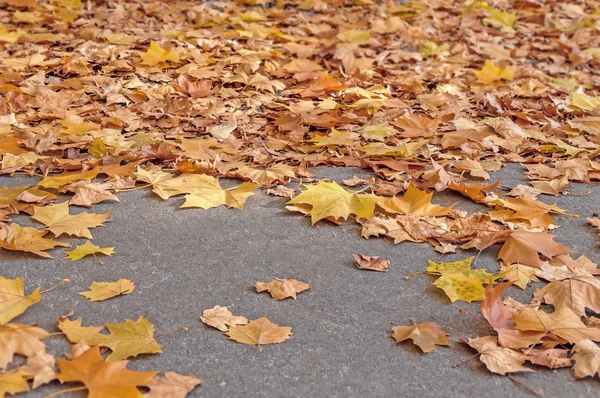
[
  {"x": 172, "y": 385},
  {"x": 491, "y": 73},
  {"x": 59, "y": 221},
  {"x": 335, "y": 138},
  {"x": 15, "y": 237},
  {"x": 84, "y": 335},
  {"x": 416, "y": 126},
  {"x": 221, "y": 318},
  {"x": 66, "y": 178},
  {"x": 552, "y": 358},
  {"x": 88, "y": 193},
  {"x": 223, "y": 131},
  {"x": 523, "y": 247},
  {"x": 414, "y": 202},
  {"x": 13, "y": 382},
  {"x": 518, "y": 274},
  {"x": 259, "y": 332},
  {"x": 20, "y": 339},
  {"x": 13, "y": 301},
  {"x": 282, "y": 288},
  {"x": 563, "y": 323},
  {"x": 581, "y": 290},
  {"x": 212, "y": 197},
  {"x": 128, "y": 339},
  {"x": 536, "y": 213},
  {"x": 103, "y": 379},
  {"x": 328, "y": 199},
  {"x": 267, "y": 177},
  {"x": 156, "y": 55},
  {"x": 372, "y": 263},
  {"x": 493, "y": 309},
  {"x": 40, "y": 366},
  {"x": 458, "y": 280},
  {"x": 100, "y": 291},
  {"x": 425, "y": 335},
  {"x": 498, "y": 359},
  {"x": 587, "y": 359},
  {"x": 88, "y": 249}
]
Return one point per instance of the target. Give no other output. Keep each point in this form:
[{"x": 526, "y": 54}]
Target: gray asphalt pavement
[{"x": 186, "y": 261}]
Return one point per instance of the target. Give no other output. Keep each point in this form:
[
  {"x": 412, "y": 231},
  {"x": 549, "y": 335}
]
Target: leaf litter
[{"x": 423, "y": 94}]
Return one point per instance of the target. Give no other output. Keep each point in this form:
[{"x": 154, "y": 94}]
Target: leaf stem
[
  {"x": 134, "y": 188},
  {"x": 460, "y": 364},
  {"x": 67, "y": 390},
  {"x": 55, "y": 286},
  {"x": 407, "y": 277},
  {"x": 468, "y": 311}
]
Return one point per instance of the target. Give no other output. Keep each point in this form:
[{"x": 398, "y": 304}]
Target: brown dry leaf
[
  {"x": 576, "y": 293},
  {"x": 425, "y": 335},
  {"x": 259, "y": 332},
  {"x": 59, "y": 221},
  {"x": 41, "y": 368},
  {"x": 103, "y": 379},
  {"x": 282, "y": 288},
  {"x": 523, "y": 247},
  {"x": 373, "y": 263},
  {"x": 282, "y": 191},
  {"x": 172, "y": 385},
  {"x": 497, "y": 359},
  {"x": 493, "y": 309},
  {"x": 100, "y": 291},
  {"x": 552, "y": 358},
  {"x": 587, "y": 359},
  {"x": 562, "y": 323},
  {"x": 89, "y": 193},
  {"x": 26, "y": 239},
  {"x": 221, "y": 318},
  {"x": 20, "y": 339}
]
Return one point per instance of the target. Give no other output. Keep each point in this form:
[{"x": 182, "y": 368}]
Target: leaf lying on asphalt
[
  {"x": 13, "y": 301},
  {"x": 425, "y": 335},
  {"x": 100, "y": 291},
  {"x": 259, "y": 332},
  {"x": 221, "y": 318},
  {"x": 372, "y": 263},
  {"x": 88, "y": 249},
  {"x": 172, "y": 385},
  {"x": 282, "y": 288}
]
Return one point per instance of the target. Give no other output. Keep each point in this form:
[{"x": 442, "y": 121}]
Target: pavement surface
[{"x": 184, "y": 261}]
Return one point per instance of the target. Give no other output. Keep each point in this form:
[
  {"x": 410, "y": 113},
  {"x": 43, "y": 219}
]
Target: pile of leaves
[{"x": 99, "y": 98}]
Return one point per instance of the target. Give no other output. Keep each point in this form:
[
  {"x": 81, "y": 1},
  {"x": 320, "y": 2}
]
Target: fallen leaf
[
  {"x": 328, "y": 199},
  {"x": 77, "y": 334},
  {"x": 31, "y": 240},
  {"x": 458, "y": 280},
  {"x": 497, "y": 359},
  {"x": 59, "y": 221},
  {"x": 221, "y": 318},
  {"x": 13, "y": 301},
  {"x": 103, "y": 379},
  {"x": 372, "y": 263},
  {"x": 587, "y": 359},
  {"x": 259, "y": 332},
  {"x": 493, "y": 309},
  {"x": 156, "y": 55},
  {"x": 20, "y": 339},
  {"x": 563, "y": 323},
  {"x": 40, "y": 367},
  {"x": 128, "y": 339},
  {"x": 100, "y": 291},
  {"x": 88, "y": 249},
  {"x": 282, "y": 288},
  {"x": 523, "y": 247},
  {"x": 425, "y": 335},
  {"x": 172, "y": 385},
  {"x": 414, "y": 202},
  {"x": 13, "y": 382}
]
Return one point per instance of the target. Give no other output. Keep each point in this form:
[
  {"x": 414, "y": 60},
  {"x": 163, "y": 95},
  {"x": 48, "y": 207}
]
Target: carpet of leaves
[{"x": 102, "y": 97}]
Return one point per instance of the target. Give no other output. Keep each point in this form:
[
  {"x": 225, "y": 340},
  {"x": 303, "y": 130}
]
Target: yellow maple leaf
[
  {"x": 458, "y": 280},
  {"x": 128, "y": 339},
  {"x": 9, "y": 37},
  {"x": 501, "y": 19},
  {"x": 335, "y": 138},
  {"x": 59, "y": 221},
  {"x": 59, "y": 180},
  {"x": 13, "y": 301},
  {"x": 14, "y": 382},
  {"x": 157, "y": 55},
  {"x": 328, "y": 199},
  {"x": 491, "y": 73},
  {"x": 23, "y": 63},
  {"x": 88, "y": 249},
  {"x": 431, "y": 49},
  {"x": 20, "y": 339},
  {"x": 414, "y": 202},
  {"x": 77, "y": 334},
  {"x": 584, "y": 101},
  {"x": 27, "y": 239},
  {"x": 259, "y": 332},
  {"x": 100, "y": 291}
]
